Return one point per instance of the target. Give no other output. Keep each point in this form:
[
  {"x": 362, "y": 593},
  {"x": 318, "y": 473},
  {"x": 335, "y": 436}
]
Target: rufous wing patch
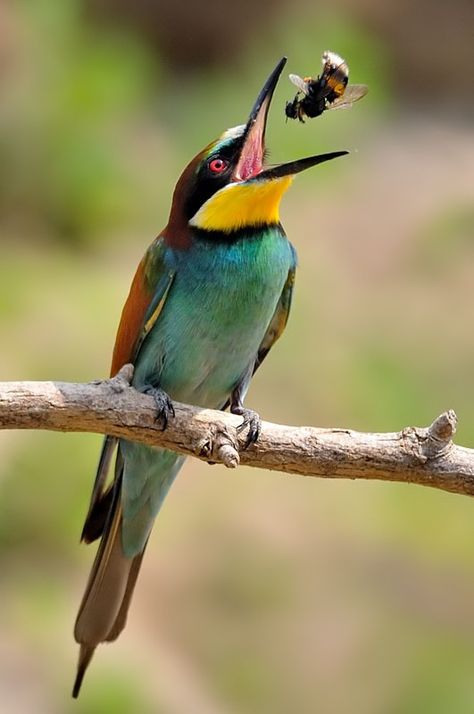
[{"x": 131, "y": 321}]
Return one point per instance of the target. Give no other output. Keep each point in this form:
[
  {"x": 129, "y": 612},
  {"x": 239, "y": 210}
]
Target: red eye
[{"x": 217, "y": 166}]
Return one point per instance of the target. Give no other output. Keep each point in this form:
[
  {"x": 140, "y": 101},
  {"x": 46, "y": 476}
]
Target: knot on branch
[
  {"x": 443, "y": 428},
  {"x": 433, "y": 442},
  {"x": 122, "y": 379},
  {"x": 220, "y": 445},
  {"x": 119, "y": 382}
]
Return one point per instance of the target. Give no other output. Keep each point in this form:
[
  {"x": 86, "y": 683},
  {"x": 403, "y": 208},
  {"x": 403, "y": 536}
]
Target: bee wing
[
  {"x": 352, "y": 94},
  {"x": 300, "y": 83}
]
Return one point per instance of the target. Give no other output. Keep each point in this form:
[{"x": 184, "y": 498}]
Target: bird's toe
[
  {"x": 253, "y": 423},
  {"x": 164, "y": 405}
]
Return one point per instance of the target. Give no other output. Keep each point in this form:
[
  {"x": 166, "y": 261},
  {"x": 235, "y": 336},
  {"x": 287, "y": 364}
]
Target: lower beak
[{"x": 250, "y": 164}]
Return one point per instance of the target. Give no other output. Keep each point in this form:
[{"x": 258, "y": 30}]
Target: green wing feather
[
  {"x": 278, "y": 322},
  {"x": 148, "y": 293},
  {"x": 105, "y": 603}
]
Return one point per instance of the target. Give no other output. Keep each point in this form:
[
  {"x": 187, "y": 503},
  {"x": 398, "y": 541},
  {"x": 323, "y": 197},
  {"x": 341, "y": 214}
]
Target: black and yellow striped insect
[{"x": 329, "y": 90}]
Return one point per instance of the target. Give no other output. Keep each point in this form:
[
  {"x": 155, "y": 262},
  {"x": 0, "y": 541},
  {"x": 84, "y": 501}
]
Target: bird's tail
[{"x": 103, "y": 611}]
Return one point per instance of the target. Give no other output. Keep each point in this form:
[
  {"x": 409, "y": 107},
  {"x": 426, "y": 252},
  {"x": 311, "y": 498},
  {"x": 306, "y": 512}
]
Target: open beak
[{"x": 250, "y": 164}]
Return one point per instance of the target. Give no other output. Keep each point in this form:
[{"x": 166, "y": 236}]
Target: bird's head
[{"x": 227, "y": 187}]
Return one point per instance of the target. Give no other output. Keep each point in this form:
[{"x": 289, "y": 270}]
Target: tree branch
[{"x": 424, "y": 456}]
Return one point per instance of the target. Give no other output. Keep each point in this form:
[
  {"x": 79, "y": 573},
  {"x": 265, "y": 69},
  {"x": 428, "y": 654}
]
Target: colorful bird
[{"x": 210, "y": 297}]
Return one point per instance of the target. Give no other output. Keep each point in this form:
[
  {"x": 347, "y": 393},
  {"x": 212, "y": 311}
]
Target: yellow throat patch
[{"x": 242, "y": 205}]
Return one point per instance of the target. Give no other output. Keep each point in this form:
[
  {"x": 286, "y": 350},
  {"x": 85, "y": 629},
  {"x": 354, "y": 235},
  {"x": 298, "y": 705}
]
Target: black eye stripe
[{"x": 206, "y": 181}]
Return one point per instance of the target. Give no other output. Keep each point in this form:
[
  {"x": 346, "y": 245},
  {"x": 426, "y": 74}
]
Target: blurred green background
[{"x": 259, "y": 593}]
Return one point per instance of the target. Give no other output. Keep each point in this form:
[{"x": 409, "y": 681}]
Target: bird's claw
[
  {"x": 252, "y": 422},
  {"x": 163, "y": 403}
]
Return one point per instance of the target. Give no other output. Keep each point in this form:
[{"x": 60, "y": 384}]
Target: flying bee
[{"x": 328, "y": 91}]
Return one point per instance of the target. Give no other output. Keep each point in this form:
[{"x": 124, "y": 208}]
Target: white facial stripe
[{"x": 233, "y": 133}]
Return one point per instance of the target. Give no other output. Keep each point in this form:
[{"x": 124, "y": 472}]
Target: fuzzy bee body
[{"x": 328, "y": 91}]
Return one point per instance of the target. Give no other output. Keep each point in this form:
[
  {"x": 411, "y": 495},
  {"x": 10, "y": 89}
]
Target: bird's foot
[
  {"x": 163, "y": 403},
  {"x": 251, "y": 421}
]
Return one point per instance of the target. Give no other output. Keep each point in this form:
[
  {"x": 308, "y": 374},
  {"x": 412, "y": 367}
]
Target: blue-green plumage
[
  {"x": 209, "y": 299},
  {"x": 215, "y": 316},
  {"x": 220, "y": 304}
]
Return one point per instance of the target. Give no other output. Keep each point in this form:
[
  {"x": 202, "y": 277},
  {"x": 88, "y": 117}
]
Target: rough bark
[{"x": 424, "y": 456}]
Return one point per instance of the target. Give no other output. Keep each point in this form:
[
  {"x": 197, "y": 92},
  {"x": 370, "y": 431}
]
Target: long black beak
[
  {"x": 294, "y": 167},
  {"x": 259, "y": 113},
  {"x": 250, "y": 164}
]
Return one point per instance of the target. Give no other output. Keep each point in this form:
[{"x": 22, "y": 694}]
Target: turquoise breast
[{"x": 215, "y": 316}]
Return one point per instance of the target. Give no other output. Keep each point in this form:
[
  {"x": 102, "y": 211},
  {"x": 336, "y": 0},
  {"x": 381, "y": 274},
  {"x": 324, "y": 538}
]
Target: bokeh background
[{"x": 259, "y": 593}]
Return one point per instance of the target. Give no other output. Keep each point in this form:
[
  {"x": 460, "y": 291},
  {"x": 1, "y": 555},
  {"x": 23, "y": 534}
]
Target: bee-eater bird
[{"x": 209, "y": 298}]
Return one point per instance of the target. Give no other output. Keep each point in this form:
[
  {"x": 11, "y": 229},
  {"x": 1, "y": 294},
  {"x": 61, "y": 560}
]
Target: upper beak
[{"x": 250, "y": 164}]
